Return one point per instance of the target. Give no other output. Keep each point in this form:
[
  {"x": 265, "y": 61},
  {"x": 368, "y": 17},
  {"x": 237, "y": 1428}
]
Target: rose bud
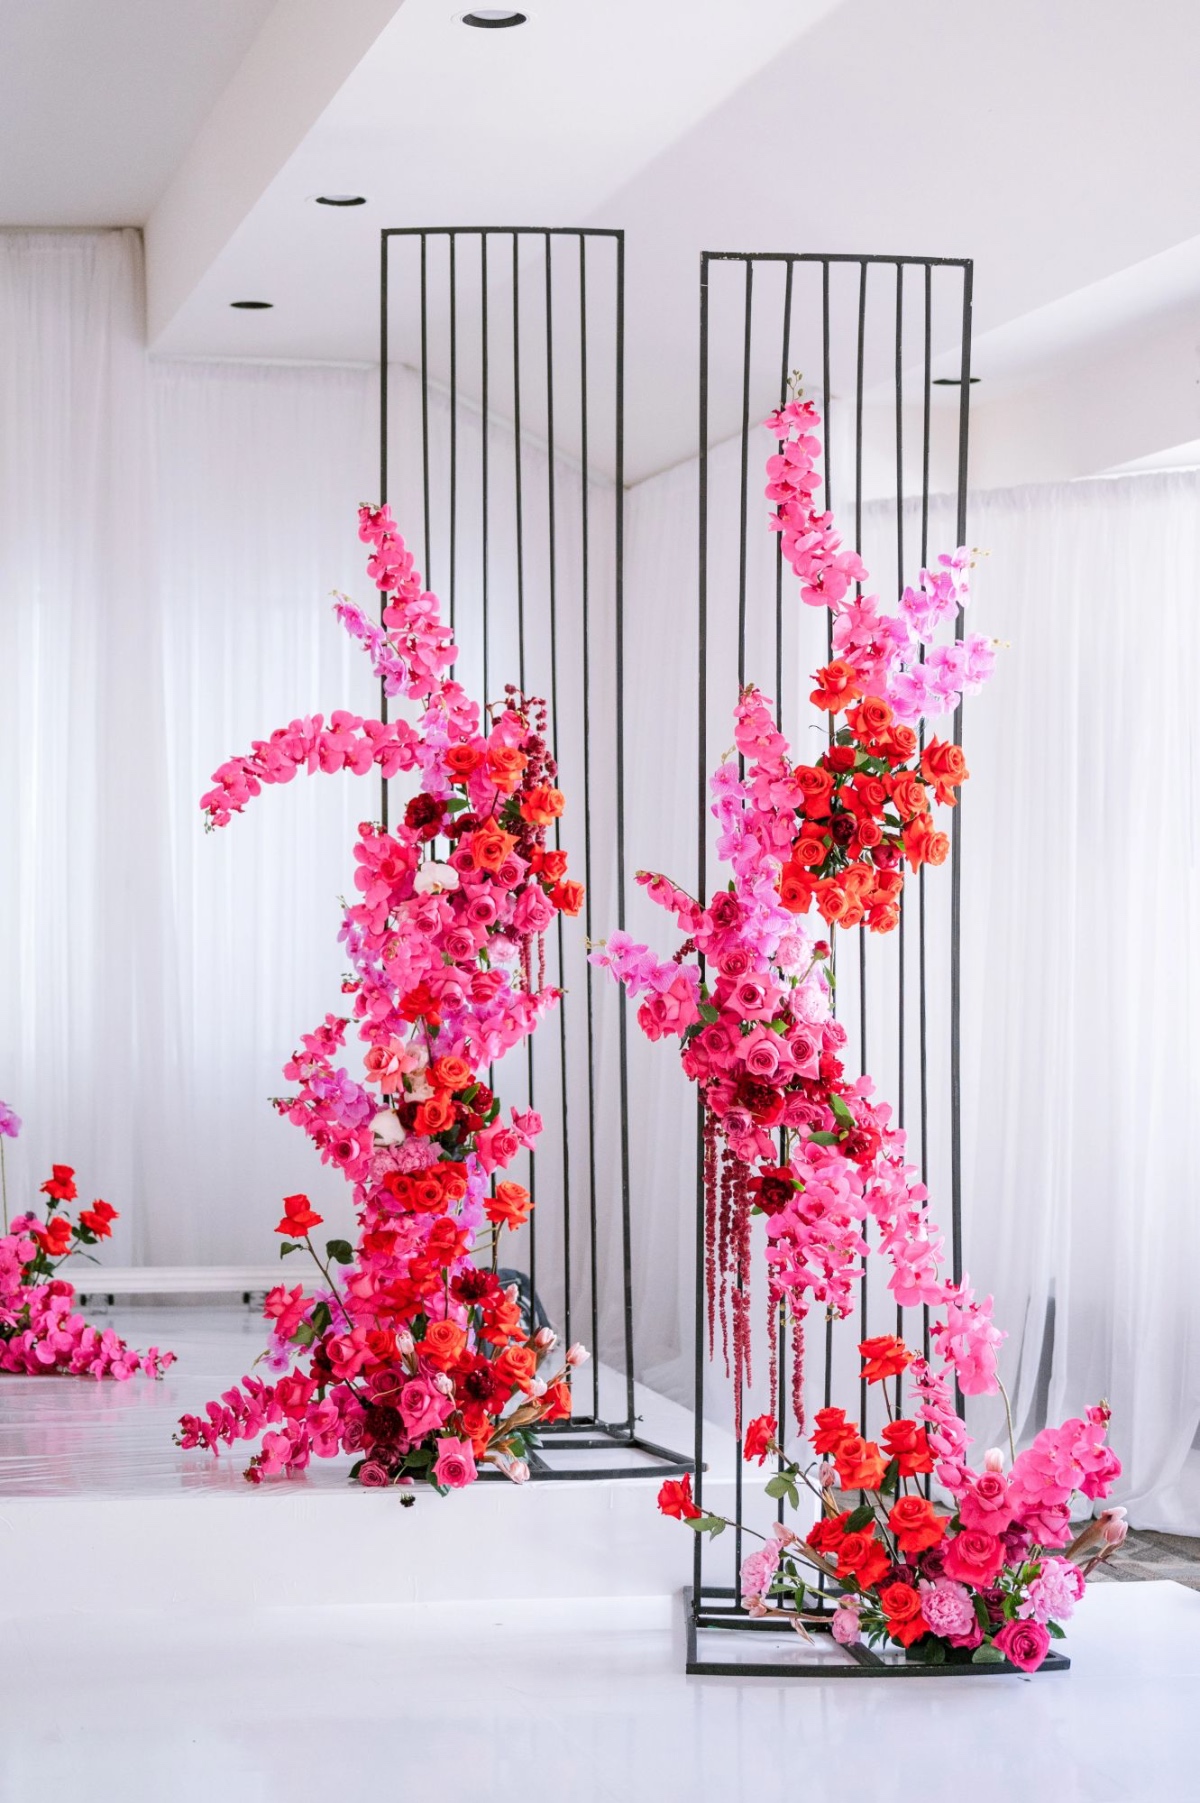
[{"x": 993, "y": 1459}]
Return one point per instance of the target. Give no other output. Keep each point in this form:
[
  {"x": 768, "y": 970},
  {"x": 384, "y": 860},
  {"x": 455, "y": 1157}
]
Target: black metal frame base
[
  {"x": 722, "y": 1612},
  {"x": 586, "y": 1434}
]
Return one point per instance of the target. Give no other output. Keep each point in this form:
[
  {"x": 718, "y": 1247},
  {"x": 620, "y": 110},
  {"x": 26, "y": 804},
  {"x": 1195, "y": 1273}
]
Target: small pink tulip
[
  {"x": 518, "y": 1471},
  {"x": 577, "y": 1354},
  {"x": 993, "y": 1459},
  {"x": 545, "y": 1338},
  {"x": 1115, "y": 1526}
]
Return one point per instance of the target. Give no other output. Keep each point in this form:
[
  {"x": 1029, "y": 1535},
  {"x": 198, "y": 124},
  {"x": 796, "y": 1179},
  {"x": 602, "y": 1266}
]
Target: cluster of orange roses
[{"x": 863, "y": 808}]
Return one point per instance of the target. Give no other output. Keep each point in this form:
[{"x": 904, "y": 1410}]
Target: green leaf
[
  {"x": 457, "y": 804},
  {"x": 822, "y": 1139},
  {"x": 321, "y": 1317},
  {"x": 862, "y": 1517},
  {"x": 987, "y": 1655},
  {"x": 840, "y": 1111},
  {"x": 286, "y": 1246},
  {"x": 779, "y": 1485},
  {"x": 341, "y": 1252},
  {"x": 304, "y": 1335},
  {"x": 357, "y": 1467},
  {"x": 891, "y": 1477},
  {"x": 981, "y": 1613},
  {"x": 1054, "y": 1631},
  {"x": 708, "y": 1012}
]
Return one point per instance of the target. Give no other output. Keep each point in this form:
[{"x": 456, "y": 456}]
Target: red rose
[
  {"x": 859, "y": 1463},
  {"x": 827, "y": 1534},
  {"x": 973, "y": 1557},
  {"x": 863, "y": 1558},
  {"x": 60, "y": 1185},
  {"x": 759, "y": 1438},
  {"x": 837, "y": 684},
  {"x": 298, "y": 1217},
  {"x": 944, "y": 767},
  {"x": 908, "y": 1443},
  {"x": 675, "y": 1499},
  {"x": 832, "y": 1429}
]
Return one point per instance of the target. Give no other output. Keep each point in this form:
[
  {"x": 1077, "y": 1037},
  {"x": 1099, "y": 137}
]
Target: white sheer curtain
[
  {"x": 83, "y": 800},
  {"x": 1081, "y": 980}
]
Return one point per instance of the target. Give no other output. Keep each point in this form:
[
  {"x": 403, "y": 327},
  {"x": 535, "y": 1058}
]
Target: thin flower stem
[
  {"x": 1012, "y": 1445},
  {"x": 3, "y": 1183}
]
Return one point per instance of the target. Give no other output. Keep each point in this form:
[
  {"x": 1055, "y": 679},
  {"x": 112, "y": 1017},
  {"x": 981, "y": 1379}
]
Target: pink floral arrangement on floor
[
  {"x": 413, "y": 1354},
  {"x": 991, "y": 1578},
  {"x": 41, "y": 1335},
  {"x": 787, "y": 1134}
]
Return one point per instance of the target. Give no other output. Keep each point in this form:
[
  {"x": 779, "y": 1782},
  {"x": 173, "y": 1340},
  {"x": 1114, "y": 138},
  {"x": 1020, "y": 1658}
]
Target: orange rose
[
  {"x": 944, "y": 767},
  {"x": 809, "y": 850},
  {"x": 451, "y": 1073},
  {"x": 869, "y": 719},
  {"x": 461, "y": 760},
  {"x": 552, "y": 865},
  {"x": 862, "y": 1557},
  {"x": 517, "y": 1365},
  {"x": 832, "y": 900},
  {"x": 504, "y": 765},
  {"x": 860, "y": 1464},
  {"x": 433, "y": 1115},
  {"x": 510, "y": 1205},
  {"x": 795, "y": 889},
  {"x": 567, "y": 896},
  {"x": 443, "y": 1343},
  {"x": 837, "y": 684},
  {"x": 831, "y": 1430},
  {"x": 453, "y": 1179},
  {"x": 502, "y": 1320},
  {"x": 897, "y": 744},
  {"x": 908, "y": 1444},
  {"x": 908, "y": 796},
  {"x": 916, "y": 1524},
  {"x": 542, "y": 805},
  {"x": 556, "y": 1403},
  {"x": 922, "y": 845},
  {"x": 490, "y": 847},
  {"x": 884, "y": 1356}
]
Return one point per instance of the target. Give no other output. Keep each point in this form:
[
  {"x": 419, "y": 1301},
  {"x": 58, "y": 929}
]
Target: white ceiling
[
  {"x": 100, "y": 99},
  {"x": 1054, "y": 141}
]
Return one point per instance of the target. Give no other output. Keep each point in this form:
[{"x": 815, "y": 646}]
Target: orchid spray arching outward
[
  {"x": 413, "y": 1353},
  {"x": 787, "y": 1134}
]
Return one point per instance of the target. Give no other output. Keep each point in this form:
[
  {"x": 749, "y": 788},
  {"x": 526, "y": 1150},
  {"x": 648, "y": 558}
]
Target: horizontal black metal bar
[
  {"x": 864, "y": 1663},
  {"x": 507, "y": 231},
  {"x": 817, "y": 256}
]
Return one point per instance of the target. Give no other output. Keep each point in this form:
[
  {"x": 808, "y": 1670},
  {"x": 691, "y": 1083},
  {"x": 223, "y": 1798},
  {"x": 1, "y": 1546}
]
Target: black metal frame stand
[
  {"x": 874, "y": 329},
  {"x": 518, "y": 334}
]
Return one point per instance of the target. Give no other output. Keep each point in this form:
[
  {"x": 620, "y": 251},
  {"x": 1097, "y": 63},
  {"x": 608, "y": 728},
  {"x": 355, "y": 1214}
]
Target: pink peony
[{"x": 948, "y": 1609}]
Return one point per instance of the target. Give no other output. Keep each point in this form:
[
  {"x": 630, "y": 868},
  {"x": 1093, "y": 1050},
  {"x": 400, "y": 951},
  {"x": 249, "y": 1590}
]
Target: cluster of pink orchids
[
  {"x": 749, "y": 997},
  {"x": 41, "y": 1332},
  {"x": 412, "y": 1353}
]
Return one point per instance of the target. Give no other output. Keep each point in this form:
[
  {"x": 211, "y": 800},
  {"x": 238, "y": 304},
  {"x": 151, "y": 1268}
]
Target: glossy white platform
[
  {"x": 91, "y": 1467},
  {"x": 574, "y": 1703}
]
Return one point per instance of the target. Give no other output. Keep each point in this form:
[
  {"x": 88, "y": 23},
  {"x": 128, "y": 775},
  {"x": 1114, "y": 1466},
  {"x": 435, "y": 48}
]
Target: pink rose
[
  {"x": 973, "y": 1557},
  {"x": 1024, "y": 1643},
  {"x": 422, "y": 1407},
  {"x": 985, "y": 1504},
  {"x": 495, "y": 1147},
  {"x": 762, "y": 1051},
  {"x": 1048, "y": 1523},
  {"x": 844, "y": 1626},
  {"x": 735, "y": 962},
  {"x": 534, "y": 910},
  {"x": 753, "y": 999},
  {"x": 455, "y": 1465},
  {"x": 373, "y": 1476}
]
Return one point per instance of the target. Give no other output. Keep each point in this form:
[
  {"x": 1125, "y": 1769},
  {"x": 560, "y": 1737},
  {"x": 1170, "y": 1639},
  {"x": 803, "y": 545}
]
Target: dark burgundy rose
[
  {"x": 423, "y": 816},
  {"x": 474, "y": 1286},
  {"x": 725, "y": 911},
  {"x": 843, "y": 828},
  {"x": 933, "y": 1563}
]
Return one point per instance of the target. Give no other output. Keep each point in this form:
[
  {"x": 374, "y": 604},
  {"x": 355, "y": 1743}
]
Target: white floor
[{"x": 168, "y": 1634}]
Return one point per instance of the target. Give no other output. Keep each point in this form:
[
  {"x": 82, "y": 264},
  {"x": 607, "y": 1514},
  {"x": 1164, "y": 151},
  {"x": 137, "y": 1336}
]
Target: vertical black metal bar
[
  {"x": 428, "y": 564},
  {"x": 553, "y": 601},
  {"x": 862, "y": 931},
  {"x": 484, "y": 430},
  {"x": 964, "y": 408},
  {"x": 701, "y": 891},
  {"x": 453, "y": 424},
  {"x": 784, "y": 361},
  {"x": 622, "y": 1020},
  {"x": 748, "y": 327},
  {"x": 519, "y": 521},
  {"x": 589, "y": 999},
  {"x": 827, "y": 400},
  {"x": 901, "y": 1010},
  {"x": 922, "y": 969},
  {"x": 384, "y": 244}
]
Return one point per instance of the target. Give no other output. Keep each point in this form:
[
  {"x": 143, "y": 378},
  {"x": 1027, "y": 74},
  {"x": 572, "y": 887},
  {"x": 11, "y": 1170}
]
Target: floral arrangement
[
  {"x": 40, "y": 1332},
  {"x": 413, "y": 1353},
  {"x": 864, "y": 806},
  {"x": 991, "y": 1578},
  {"x": 788, "y": 1136}
]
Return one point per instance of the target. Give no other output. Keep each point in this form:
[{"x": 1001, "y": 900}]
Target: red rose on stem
[
  {"x": 299, "y": 1217},
  {"x": 916, "y": 1524},
  {"x": 675, "y": 1499},
  {"x": 759, "y": 1438}
]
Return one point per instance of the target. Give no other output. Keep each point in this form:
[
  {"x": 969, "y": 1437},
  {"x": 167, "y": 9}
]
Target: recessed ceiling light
[
  {"x": 954, "y": 381},
  {"x": 341, "y": 200},
  {"x": 252, "y": 306},
  {"x": 493, "y": 18}
]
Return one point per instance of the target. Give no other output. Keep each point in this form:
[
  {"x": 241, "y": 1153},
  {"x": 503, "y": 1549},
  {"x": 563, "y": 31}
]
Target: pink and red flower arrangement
[
  {"x": 41, "y": 1333},
  {"x": 788, "y": 1135},
  {"x": 990, "y": 1576},
  {"x": 413, "y": 1354}
]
